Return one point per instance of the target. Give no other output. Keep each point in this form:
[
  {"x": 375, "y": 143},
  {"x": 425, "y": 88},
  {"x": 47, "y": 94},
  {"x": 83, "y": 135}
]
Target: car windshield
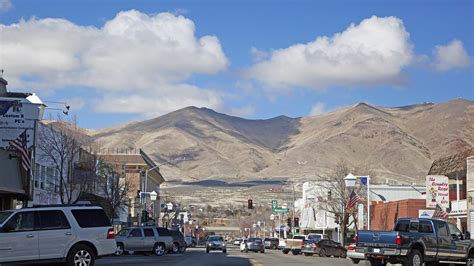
[
  {"x": 215, "y": 238},
  {"x": 4, "y": 216},
  {"x": 255, "y": 240},
  {"x": 299, "y": 237}
]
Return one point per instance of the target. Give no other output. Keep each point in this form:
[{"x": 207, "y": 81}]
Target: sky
[{"x": 116, "y": 61}]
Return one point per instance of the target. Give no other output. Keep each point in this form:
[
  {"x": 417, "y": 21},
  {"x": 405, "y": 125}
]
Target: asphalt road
[{"x": 198, "y": 256}]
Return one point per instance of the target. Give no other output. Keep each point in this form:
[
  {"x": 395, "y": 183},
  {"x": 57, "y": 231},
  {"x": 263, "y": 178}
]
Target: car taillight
[
  {"x": 398, "y": 240},
  {"x": 356, "y": 239},
  {"x": 314, "y": 245},
  {"x": 350, "y": 247},
  {"x": 110, "y": 234}
]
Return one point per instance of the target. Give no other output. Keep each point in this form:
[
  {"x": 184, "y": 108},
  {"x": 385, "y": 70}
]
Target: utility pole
[{"x": 293, "y": 218}]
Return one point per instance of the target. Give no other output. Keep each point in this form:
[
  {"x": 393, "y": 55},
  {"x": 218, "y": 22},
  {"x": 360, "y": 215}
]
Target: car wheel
[
  {"x": 343, "y": 255},
  {"x": 263, "y": 251},
  {"x": 119, "y": 250},
  {"x": 295, "y": 252},
  {"x": 285, "y": 251},
  {"x": 224, "y": 251},
  {"x": 175, "y": 248},
  {"x": 159, "y": 249},
  {"x": 355, "y": 261},
  {"x": 80, "y": 255},
  {"x": 322, "y": 252},
  {"x": 207, "y": 250},
  {"x": 415, "y": 258}
]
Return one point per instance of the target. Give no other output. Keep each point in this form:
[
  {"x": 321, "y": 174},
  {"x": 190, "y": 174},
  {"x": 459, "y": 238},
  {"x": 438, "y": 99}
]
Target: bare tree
[
  {"x": 59, "y": 143},
  {"x": 338, "y": 195},
  {"x": 113, "y": 185}
]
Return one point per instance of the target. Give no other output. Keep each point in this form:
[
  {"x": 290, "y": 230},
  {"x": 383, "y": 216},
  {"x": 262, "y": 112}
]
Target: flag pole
[{"x": 368, "y": 202}]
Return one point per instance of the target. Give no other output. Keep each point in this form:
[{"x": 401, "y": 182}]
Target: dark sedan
[
  {"x": 324, "y": 248},
  {"x": 271, "y": 242},
  {"x": 254, "y": 244}
]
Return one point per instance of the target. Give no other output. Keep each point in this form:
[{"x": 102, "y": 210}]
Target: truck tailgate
[{"x": 382, "y": 239}]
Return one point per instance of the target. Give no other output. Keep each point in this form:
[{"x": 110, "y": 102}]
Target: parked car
[
  {"x": 323, "y": 248},
  {"x": 415, "y": 241},
  {"x": 237, "y": 241},
  {"x": 281, "y": 243},
  {"x": 179, "y": 245},
  {"x": 253, "y": 244},
  {"x": 57, "y": 233},
  {"x": 294, "y": 245},
  {"x": 143, "y": 239},
  {"x": 215, "y": 243},
  {"x": 355, "y": 256},
  {"x": 271, "y": 242}
]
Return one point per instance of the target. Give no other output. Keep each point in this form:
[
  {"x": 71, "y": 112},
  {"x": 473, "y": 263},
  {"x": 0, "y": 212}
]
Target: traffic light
[
  {"x": 250, "y": 204},
  {"x": 138, "y": 193}
]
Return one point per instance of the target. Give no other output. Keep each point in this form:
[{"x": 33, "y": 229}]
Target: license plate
[{"x": 376, "y": 250}]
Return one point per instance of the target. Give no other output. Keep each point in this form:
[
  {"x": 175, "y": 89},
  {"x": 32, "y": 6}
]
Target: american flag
[
  {"x": 19, "y": 144},
  {"x": 353, "y": 200},
  {"x": 440, "y": 213}
]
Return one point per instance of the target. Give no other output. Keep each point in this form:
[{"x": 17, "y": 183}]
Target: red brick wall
[{"x": 383, "y": 215}]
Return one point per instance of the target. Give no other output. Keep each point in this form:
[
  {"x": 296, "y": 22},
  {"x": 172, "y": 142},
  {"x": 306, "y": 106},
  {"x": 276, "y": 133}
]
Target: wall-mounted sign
[
  {"x": 425, "y": 213},
  {"x": 437, "y": 191},
  {"x": 18, "y": 115}
]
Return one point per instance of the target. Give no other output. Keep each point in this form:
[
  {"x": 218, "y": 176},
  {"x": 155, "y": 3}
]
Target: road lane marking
[{"x": 255, "y": 263}]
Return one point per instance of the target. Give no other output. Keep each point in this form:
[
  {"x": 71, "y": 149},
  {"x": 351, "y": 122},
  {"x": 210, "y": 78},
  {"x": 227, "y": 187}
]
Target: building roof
[
  {"x": 451, "y": 166},
  {"x": 127, "y": 159}
]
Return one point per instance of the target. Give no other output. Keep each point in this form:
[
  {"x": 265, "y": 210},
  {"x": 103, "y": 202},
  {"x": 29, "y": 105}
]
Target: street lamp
[{"x": 350, "y": 181}]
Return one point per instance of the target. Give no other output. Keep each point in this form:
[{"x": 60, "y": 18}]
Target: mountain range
[{"x": 398, "y": 144}]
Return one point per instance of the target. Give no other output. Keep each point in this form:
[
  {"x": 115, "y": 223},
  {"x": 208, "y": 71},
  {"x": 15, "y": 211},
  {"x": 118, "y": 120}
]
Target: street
[{"x": 198, "y": 256}]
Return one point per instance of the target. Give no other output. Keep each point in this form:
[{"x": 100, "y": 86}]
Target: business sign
[
  {"x": 425, "y": 213},
  {"x": 437, "y": 191},
  {"x": 16, "y": 116}
]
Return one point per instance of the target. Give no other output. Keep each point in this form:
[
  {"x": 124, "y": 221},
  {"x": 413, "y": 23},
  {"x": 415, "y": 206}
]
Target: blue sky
[{"x": 117, "y": 61}]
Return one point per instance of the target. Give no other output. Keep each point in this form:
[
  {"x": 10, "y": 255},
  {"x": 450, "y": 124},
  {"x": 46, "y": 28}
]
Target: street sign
[
  {"x": 282, "y": 210},
  {"x": 274, "y": 204}
]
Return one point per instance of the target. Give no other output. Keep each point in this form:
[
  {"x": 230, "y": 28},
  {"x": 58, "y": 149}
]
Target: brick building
[{"x": 384, "y": 215}]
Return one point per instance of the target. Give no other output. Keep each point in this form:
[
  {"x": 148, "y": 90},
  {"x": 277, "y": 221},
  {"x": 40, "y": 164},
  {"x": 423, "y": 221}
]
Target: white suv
[{"x": 74, "y": 234}]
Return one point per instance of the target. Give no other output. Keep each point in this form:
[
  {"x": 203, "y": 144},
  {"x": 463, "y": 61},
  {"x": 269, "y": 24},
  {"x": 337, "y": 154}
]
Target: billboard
[
  {"x": 18, "y": 115},
  {"x": 437, "y": 191}
]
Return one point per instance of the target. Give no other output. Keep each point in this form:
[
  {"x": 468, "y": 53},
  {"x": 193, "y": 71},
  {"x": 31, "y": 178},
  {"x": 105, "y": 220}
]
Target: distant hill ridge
[{"x": 398, "y": 143}]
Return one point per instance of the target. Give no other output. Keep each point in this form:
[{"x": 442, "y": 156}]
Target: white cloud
[
  {"x": 372, "y": 52},
  {"x": 318, "y": 109},
  {"x": 450, "y": 56},
  {"x": 134, "y": 53},
  {"x": 158, "y": 102},
  {"x": 5, "y": 6},
  {"x": 258, "y": 55}
]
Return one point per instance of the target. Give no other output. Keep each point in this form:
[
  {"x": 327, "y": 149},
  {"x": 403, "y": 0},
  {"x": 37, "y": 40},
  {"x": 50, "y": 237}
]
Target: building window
[
  {"x": 37, "y": 174},
  {"x": 43, "y": 176}
]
